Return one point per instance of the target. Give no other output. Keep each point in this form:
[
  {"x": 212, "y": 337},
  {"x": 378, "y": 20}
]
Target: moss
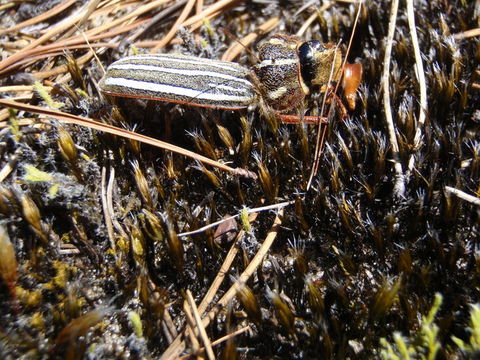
[{"x": 351, "y": 264}]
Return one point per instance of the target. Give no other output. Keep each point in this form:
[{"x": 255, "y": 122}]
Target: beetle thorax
[
  {"x": 278, "y": 73},
  {"x": 290, "y": 68}
]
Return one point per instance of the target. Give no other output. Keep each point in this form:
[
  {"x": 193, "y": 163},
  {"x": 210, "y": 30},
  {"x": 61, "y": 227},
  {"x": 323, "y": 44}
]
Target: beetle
[{"x": 288, "y": 70}]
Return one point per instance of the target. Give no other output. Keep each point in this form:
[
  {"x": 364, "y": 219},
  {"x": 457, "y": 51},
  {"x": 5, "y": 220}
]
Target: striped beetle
[{"x": 289, "y": 69}]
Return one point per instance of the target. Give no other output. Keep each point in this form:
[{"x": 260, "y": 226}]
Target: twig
[
  {"x": 200, "y": 326},
  {"x": 399, "y": 187},
  {"x": 421, "y": 79},
  {"x": 463, "y": 195}
]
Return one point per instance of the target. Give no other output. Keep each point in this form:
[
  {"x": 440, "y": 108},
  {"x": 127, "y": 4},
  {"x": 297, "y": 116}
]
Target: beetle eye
[
  {"x": 309, "y": 48},
  {"x": 308, "y": 63},
  {"x": 305, "y": 52}
]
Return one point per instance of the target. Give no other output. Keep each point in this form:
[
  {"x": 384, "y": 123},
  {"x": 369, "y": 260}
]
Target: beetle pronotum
[{"x": 288, "y": 70}]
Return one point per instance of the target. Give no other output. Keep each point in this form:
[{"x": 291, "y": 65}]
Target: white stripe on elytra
[
  {"x": 133, "y": 67},
  {"x": 188, "y": 60},
  {"x": 176, "y": 90},
  {"x": 278, "y": 62},
  {"x": 228, "y": 88}
]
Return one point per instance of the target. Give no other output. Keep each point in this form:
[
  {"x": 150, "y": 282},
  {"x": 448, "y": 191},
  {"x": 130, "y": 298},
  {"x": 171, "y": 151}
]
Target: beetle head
[{"x": 316, "y": 62}]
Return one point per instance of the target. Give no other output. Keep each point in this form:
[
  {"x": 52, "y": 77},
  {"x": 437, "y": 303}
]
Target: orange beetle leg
[
  {"x": 294, "y": 119},
  {"x": 352, "y": 77}
]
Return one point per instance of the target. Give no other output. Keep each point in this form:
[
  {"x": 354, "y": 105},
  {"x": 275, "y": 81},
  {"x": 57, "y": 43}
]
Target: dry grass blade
[
  {"x": 80, "y": 326},
  {"x": 216, "y": 6},
  {"x": 463, "y": 195},
  {"x": 199, "y": 7},
  {"x": 56, "y": 30},
  {"x": 125, "y": 20},
  {"x": 19, "y": 88},
  {"x": 155, "y": 19},
  {"x": 7, "y": 6},
  {"x": 251, "y": 211},
  {"x": 178, "y": 345},
  {"x": 106, "y": 213},
  {"x": 212, "y": 291},
  {"x": 89, "y": 11},
  {"x": 399, "y": 187},
  {"x": 217, "y": 342},
  {"x": 233, "y": 51},
  {"x": 34, "y": 47},
  {"x": 422, "y": 82},
  {"x": 200, "y": 327},
  {"x": 467, "y": 34},
  {"x": 347, "y": 248},
  {"x": 186, "y": 10},
  {"x": 110, "y": 210},
  {"x": 87, "y": 122},
  {"x": 63, "y": 68},
  {"x": 42, "y": 17},
  {"x": 191, "y": 325},
  {"x": 8, "y": 168},
  {"x": 312, "y": 18},
  {"x": 321, "y": 132}
]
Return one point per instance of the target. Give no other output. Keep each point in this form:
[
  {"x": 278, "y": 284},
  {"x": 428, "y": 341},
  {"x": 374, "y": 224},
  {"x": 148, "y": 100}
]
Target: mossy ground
[{"x": 352, "y": 262}]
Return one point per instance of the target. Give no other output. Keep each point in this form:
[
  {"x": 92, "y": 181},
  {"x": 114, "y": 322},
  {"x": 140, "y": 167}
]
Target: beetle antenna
[{"x": 229, "y": 55}]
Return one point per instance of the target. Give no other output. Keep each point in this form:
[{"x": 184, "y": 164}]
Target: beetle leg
[
  {"x": 352, "y": 76},
  {"x": 294, "y": 119},
  {"x": 343, "y": 110}
]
